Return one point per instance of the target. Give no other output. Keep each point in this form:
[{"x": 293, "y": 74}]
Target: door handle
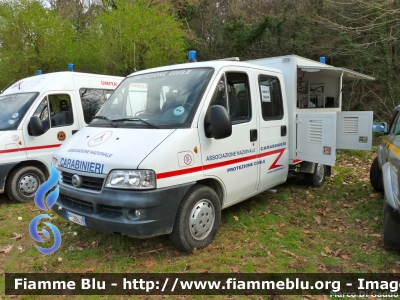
[
  {"x": 283, "y": 130},
  {"x": 253, "y": 135}
]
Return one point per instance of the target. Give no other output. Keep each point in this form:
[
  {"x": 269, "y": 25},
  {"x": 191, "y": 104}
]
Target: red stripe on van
[
  {"x": 29, "y": 148},
  {"x": 179, "y": 172},
  {"x": 219, "y": 164}
]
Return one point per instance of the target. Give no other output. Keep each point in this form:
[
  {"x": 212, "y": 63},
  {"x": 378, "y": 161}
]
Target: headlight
[
  {"x": 54, "y": 163},
  {"x": 140, "y": 179}
]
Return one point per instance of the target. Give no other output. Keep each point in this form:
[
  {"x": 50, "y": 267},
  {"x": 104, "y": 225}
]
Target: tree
[
  {"x": 366, "y": 34},
  {"x": 31, "y": 38},
  {"x": 135, "y": 35}
]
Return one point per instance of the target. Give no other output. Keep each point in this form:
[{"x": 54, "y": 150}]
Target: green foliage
[
  {"x": 117, "y": 36},
  {"x": 135, "y": 30},
  {"x": 98, "y": 39},
  {"x": 32, "y": 38}
]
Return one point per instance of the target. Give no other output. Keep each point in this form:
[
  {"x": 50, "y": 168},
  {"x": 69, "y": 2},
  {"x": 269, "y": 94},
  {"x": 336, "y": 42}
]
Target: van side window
[
  {"x": 219, "y": 96},
  {"x": 61, "y": 110},
  {"x": 92, "y": 100},
  {"x": 238, "y": 97},
  {"x": 395, "y": 130},
  {"x": 234, "y": 94},
  {"x": 271, "y": 98},
  {"x": 393, "y": 123},
  {"x": 43, "y": 113}
]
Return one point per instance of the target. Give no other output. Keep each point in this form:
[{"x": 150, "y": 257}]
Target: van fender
[
  {"x": 308, "y": 167},
  {"x": 38, "y": 163},
  {"x": 390, "y": 184},
  {"x": 381, "y": 155}
]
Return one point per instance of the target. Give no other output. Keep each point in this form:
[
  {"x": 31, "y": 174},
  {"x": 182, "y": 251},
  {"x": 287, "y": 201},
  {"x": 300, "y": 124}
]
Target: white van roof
[{"x": 62, "y": 81}]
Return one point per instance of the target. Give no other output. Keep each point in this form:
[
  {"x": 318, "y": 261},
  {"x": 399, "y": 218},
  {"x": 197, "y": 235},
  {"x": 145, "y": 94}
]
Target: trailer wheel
[
  {"x": 24, "y": 182},
  {"x": 317, "y": 178},
  {"x": 198, "y": 219},
  {"x": 391, "y": 228},
  {"x": 375, "y": 176}
]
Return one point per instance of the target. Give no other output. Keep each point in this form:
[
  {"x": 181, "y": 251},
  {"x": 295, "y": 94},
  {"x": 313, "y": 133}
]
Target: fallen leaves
[
  {"x": 6, "y": 248},
  {"x": 16, "y": 236}
]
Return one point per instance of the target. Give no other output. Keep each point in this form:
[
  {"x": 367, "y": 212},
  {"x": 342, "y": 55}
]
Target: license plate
[{"x": 76, "y": 218}]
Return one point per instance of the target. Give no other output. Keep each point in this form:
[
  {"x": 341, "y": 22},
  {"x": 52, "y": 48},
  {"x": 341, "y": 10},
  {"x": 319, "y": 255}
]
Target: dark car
[{"x": 384, "y": 176}]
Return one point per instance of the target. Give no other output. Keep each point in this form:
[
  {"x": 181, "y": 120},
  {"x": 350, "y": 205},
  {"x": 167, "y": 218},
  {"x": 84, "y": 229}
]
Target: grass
[{"x": 336, "y": 228}]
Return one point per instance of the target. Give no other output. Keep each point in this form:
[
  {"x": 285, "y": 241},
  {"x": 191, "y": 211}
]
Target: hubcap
[
  {"x": 28, "y": 184},
  {"x": 320, "y": 172},
  {"x": 201, "y": 219}
]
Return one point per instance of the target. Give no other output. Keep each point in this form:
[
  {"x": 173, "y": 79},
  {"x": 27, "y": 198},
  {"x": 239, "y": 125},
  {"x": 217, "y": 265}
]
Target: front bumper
[{"x": 114, "y": 211}]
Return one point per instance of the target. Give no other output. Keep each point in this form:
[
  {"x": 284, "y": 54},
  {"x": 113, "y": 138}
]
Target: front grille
[
  {"x": 90, "y": 183},
  {"x": 78, "y": 204},
  {"x": 82, "y": 206},
  {"x": 110, "y": 211}
]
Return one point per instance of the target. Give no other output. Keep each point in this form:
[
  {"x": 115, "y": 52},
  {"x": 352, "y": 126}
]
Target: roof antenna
[
  {"x": 134, "y": 57},
  {"x": 7, "y": 86}
]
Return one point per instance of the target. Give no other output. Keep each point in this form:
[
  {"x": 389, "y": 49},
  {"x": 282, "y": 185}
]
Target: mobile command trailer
[
  {"x": 37, "y": 114},
  {"x": 182, "y": 142}
]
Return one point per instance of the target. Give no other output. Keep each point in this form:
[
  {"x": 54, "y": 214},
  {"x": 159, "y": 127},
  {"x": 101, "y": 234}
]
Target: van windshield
[
  {"x": 166, "y": 99},
  {"x": 13, "y": 108}
]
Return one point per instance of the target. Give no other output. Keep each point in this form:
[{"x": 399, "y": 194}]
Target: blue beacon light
[
  {"x": 39, "y": 72},
  {"x": 71, "y": 67},
  {"x": 192, "y": 56}
]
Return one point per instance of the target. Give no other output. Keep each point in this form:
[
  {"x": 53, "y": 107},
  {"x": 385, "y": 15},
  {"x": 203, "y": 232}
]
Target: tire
[
  {"x": 24, "y": 182},
  {"x": 317, "y": 178},
  {"x": 375, "y": 176},
  {"x": 391, "y": 228},
  {"x": 197, "y": 220}
]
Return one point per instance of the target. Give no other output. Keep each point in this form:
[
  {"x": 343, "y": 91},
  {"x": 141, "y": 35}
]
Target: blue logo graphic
[
  {"x": 45, "y": 187},
  {"x": 40, "y": 202},
  {"x": 35, "y": 235}
]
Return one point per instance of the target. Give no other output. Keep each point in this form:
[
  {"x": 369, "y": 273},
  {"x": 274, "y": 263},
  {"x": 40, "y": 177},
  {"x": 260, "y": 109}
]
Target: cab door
[
  {"x": 232, "y": 160},
  {"x": 57, "y": 112},
  {"x": 273, "y": 123}
]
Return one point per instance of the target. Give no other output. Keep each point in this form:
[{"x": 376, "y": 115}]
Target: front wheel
[
  {"x": 391, "y": 228},
  {"x": 375, "y": 176},
  {"x": 198, "y": 219},
  {"x": 317, "y": 178},
  {"x": 24, "y": 182}
]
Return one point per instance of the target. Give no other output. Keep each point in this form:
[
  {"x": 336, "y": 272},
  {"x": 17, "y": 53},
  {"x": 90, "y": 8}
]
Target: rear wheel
[
  {"x": 317, "y": 178},
  {"x": 24, "y": 182},
  {"x": 198, "y": 219},
  {"x": 391, "y": 228},
  {"x": 375, "y": 176}
]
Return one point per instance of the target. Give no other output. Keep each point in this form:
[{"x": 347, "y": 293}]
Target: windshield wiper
[
  {"x": 137, "y": 119},
  {"x": 105, "y": 118}
]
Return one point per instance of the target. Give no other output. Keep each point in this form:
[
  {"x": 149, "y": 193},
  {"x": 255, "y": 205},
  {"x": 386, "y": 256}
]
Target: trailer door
[
  {"x": 316, "y": 138},
  {"x": 354, "y": 130}
]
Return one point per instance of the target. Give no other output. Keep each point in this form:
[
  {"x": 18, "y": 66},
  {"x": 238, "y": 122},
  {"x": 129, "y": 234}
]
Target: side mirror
[
  {"x": 220, "y": 120},
  {"x": 36, "y": 126},
  {"x": 380, "y": 127}
]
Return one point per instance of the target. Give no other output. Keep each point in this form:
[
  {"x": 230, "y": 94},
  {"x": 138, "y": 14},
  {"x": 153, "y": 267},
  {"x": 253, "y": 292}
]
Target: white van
[
  {"x": 175, "y": 145},
  {"x": 58, "y": 104}
]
